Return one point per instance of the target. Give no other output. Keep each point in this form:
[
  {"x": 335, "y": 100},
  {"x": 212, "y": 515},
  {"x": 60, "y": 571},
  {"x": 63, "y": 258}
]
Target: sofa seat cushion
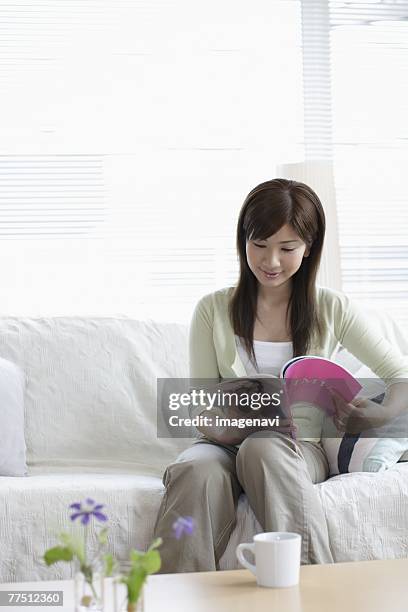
[
  {"x": 366, "y": 514},
  {"x": 35, "y": 508}
]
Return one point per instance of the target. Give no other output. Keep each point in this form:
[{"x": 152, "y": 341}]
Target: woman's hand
[
  {"x": 357, "y": 416},
  {"x": 230, "y": 434}
]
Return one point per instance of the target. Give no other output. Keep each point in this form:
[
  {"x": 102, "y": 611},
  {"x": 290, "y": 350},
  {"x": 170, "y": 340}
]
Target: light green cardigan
[{"x": 213, "y": 352}]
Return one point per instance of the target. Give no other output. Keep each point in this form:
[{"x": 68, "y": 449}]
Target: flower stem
[
  {"x": 87, "y": 570},
  {"x": 91, "y": 584}
]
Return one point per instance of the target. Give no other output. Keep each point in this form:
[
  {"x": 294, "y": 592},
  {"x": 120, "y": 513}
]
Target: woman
[{"x": 275, "y": 312}]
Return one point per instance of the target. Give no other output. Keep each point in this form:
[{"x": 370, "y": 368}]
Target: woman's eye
[{"x": 263, "y": 246}]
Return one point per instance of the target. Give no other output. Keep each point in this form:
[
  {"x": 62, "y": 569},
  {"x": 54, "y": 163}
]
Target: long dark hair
[{"x": 266, "y": 209}]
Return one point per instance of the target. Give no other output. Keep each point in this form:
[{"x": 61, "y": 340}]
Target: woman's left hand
[{"x": 357, "y": 416}]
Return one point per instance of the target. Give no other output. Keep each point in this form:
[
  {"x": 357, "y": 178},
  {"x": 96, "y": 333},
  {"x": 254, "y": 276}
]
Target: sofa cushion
[
  {"x": 34, "y": 510},
  {"x": 12, "y": 442},
  {"x": 365, "y": 513},
  {"x": 91, "y": 389}
]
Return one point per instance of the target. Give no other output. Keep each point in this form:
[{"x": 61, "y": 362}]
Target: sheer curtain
[
  {"x": 357, "y": 100},
  {"x": 131, "y": 133}
]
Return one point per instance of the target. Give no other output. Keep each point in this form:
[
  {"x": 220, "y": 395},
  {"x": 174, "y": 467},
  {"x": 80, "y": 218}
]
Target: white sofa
[{"x": 90, "y": 424}]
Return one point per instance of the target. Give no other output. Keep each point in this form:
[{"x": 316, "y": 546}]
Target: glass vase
[
  {"x": 120, "y": 598},
  {"x": 89, "y": 594}
]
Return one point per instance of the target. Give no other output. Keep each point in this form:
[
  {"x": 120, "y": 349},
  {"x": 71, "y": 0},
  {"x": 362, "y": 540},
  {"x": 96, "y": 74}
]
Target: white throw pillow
[{"x": 12, "y": 442}]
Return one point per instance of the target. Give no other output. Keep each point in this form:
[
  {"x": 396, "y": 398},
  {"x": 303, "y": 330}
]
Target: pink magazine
[{"x": 309, "y": 379}]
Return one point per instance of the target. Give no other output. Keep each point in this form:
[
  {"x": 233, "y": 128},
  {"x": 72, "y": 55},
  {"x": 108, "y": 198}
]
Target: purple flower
[
  {"x": 183, "y": 525},
  {"x": 85, "y": 512}
]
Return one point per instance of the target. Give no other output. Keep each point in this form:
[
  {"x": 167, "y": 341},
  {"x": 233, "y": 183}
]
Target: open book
[{"x": 308, "y": 380}]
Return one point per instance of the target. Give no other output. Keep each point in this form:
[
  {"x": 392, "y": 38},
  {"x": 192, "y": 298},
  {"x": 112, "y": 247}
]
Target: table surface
[{"x": 367, "y": 586}]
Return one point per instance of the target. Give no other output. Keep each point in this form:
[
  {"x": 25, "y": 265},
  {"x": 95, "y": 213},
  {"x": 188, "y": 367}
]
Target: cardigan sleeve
[
  {"x": 202, "y": 357},
  {"x": 361, "y": 337}
]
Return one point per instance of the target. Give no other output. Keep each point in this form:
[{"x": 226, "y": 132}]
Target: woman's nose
[{"x": 272, "y": 259}]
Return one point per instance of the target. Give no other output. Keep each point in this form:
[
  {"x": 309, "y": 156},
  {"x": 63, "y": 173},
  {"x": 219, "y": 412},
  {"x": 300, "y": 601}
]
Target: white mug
[{"x": 277, "y": 558}]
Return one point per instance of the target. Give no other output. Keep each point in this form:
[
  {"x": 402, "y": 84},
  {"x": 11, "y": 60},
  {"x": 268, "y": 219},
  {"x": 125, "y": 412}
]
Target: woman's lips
[{"x": 270, "y": 274}]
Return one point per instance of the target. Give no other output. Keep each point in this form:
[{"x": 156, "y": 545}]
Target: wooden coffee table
[{"x": 367, "y": 586}]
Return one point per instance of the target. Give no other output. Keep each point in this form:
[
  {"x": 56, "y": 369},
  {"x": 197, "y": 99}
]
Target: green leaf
[
  {"x": 76, "y": 544},
  {"x": 149, "y": 561},
  {"x": 58, "y": 553},
  {"x": 135, "y": 581},
  {"x": 109, "y": 564},
  {"x": 136, "y": 555},
  {"x": 152, "y": 562}
]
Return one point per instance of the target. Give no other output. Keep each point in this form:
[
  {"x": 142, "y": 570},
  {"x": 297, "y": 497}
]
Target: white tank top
[{"x": 270, "y": 356}]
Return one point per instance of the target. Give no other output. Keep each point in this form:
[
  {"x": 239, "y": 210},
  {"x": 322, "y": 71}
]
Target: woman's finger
[
  {"x": 342, "y": 408},
  {"x": 339, "y": 423}
]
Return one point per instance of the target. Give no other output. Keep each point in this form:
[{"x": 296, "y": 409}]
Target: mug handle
[{"x": 241, "y": 558}]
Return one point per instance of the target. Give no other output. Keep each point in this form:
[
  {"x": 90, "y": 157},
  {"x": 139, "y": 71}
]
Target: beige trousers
[{"x": 277, "y": 475}]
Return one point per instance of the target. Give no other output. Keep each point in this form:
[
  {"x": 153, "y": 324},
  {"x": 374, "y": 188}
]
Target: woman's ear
[{"x": 307, "y": 252}]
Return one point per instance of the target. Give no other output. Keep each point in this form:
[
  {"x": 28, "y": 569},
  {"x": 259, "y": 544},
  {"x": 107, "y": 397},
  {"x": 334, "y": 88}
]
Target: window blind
[
  {"x": 367, "y": 121},
  {"x": 131, "y": 133}
]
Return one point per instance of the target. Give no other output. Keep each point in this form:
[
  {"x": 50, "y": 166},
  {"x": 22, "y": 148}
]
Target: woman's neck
[{"x": 274, "y": 297}]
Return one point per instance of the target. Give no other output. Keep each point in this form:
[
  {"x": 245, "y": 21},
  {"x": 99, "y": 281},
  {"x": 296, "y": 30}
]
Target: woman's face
[{"x": 275, "y": 260}]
